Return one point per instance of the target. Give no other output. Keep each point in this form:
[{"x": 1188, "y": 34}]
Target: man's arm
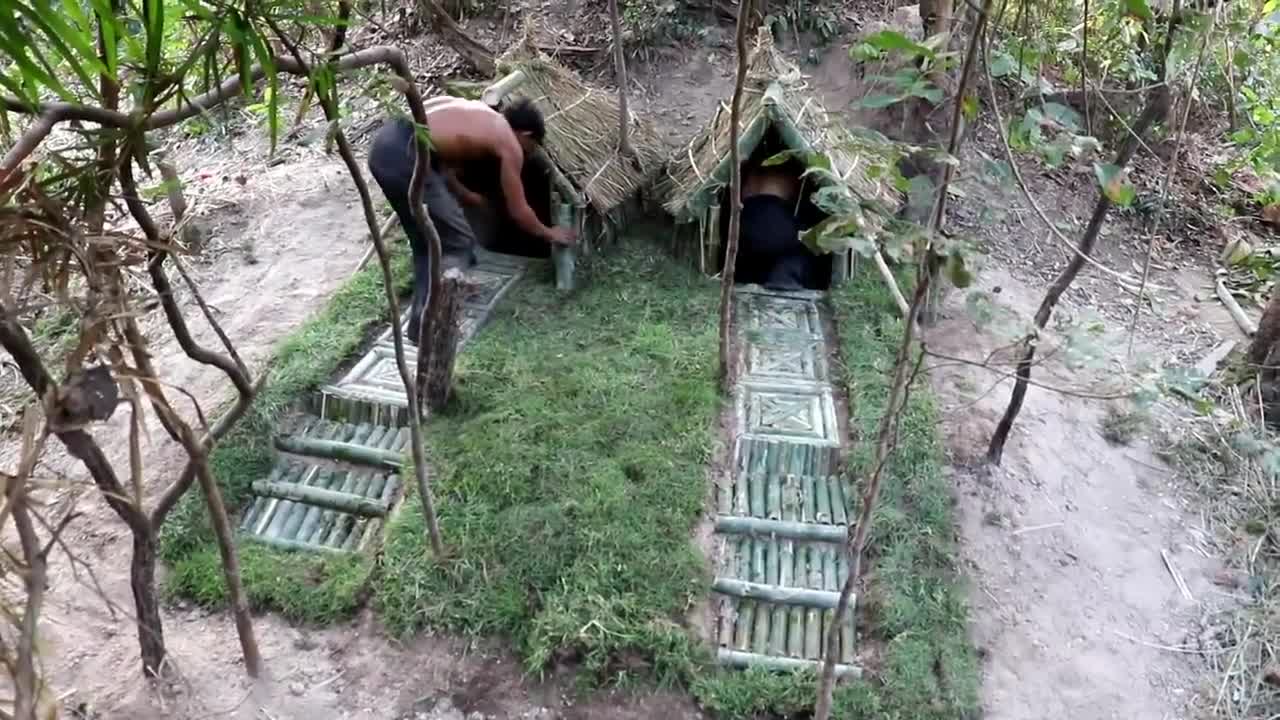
[
  {"x": 518, "y": 207},
  {"x": 460, "y": 191}
]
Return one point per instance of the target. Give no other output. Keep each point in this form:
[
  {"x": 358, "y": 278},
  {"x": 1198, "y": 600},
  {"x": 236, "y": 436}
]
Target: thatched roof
[
  {"x": 774, "y": 95},
  {"x": 582, "y": 130}
]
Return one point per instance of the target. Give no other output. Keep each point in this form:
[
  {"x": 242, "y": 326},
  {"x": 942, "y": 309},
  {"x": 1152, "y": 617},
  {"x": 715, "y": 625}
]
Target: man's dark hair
[{"x": 523, "y": 116}]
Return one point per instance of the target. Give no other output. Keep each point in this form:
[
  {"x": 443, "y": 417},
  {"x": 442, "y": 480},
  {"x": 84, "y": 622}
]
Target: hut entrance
[
  {"x": 494, "y": 228},
  {"x": 777, "y": 206}
]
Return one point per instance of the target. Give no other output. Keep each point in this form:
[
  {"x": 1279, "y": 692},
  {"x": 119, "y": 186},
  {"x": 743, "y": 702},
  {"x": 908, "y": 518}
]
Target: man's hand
[{"x": 562, "y": 236}]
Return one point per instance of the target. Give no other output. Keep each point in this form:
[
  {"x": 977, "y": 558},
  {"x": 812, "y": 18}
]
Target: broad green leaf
[
  {"x": 890, "y": 40},
  {"x": 1003, "y": 64},
  {"x": 819, "y": 161},
  {"x": 34, "y": 77},
  {"x": 1115, "y": 185},
  {"x": 877, "y": 101},
  {"x": 781, "y": 158},
  {"x": 1063, "y": 115},
  {"x": 957, "y": 272},
  {"x": 153, "y": 10},
  {"x": 1138, "y": 9},
  {"x": 969, "y": 107},
  {"x": 864, "y": 52},
  {"x": 834, "y": 200},
  {"x": 929, "y": 92},
  {"x": 59, "y": 34},
  {"x": 273, "y": 88},
  {"x": 109, "y": 30}
]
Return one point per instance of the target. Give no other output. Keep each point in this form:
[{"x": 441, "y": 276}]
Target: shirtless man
[
  {"x": 462, "y": 131},
  {"x": 770, "y": 252}
]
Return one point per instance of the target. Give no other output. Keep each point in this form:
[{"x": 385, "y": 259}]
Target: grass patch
[
  {"x": 926, "y": 668},
  {"x": 1122, "y": 427},
  {"x": 569, "y": 474},
  {"x": 313, "y": 589}
]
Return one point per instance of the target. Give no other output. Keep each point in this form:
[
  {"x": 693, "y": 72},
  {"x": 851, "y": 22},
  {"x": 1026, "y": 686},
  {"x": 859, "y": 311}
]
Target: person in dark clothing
[
  {"x": 769, "y": 250},
  {"x": 463, "y": 132}
]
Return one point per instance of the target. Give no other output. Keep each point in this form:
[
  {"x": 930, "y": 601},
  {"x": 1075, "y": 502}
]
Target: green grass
[
  {"x": 925, "y": 667},
  {"x": 302, "y": 587},
  {"x": 569, "y": 474}
]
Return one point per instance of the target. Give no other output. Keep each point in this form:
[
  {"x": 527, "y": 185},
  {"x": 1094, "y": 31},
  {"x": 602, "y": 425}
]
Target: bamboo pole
[
  {"x": 746, "y": 660},
  {"x": 498, "y": 91},
  {"x": 781, "y": 528},
  {"x": 344, "y": 502},
  {"x": 292, "y": 545},
  {"x": 889, "y": 280},
  {"x": 1237, "y": 313},
  {"x": 806, "y": 597},
  {"x": 347, "y": 452}
]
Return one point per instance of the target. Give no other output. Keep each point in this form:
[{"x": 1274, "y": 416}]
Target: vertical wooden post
[
  {"x": 443, "y": 340},
  {"x": 563, "y": 256}
]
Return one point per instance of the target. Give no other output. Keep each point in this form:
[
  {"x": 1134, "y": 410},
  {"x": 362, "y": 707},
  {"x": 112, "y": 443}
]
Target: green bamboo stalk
[
  {"x": 348, "y": 483},
  {"x": 795, "y": 631},
  {"x": 790, "y": 499},
  {"x": 816, "y": 569},
  {"x": 356, "y": 453},
  {"x": 341, "y": 530},
  {"x": 781, "y": 528},
  {"x": 308, "y": 525},
  {"x": 757, "y": 494},
  {"x": 389, "y": 439},
  {"x": 839, "y": 514},
  {"x": 265, "y": 518},
  {"x": 291, "y": 545},
  {"x": 251, "y": 514},
  {"x": 812, "y": 633},
  {"x": 742, "y": 569},
  {"x": 375, "y": 437},
  {"x": 746, "y": 660},
  {"x": 810, "y": 502},
  {"x": 828, "y": 618},
  {"x": 324, "y": 498},
  {"x": 296, "y": 516},
  {"x": 371, "y": 532},
  {"x": 742, "y": 631},
  {"x": 713, "y": 237},
  {"x": 823, "y": 500},
  {"x": 778, "y": 630},
  {"x": 322, "y": 528},
  {"x": 772, "y": 593},
  {"x": 279, "y": 518},
  {"x": 376, "y": 486},
  {"x": 402, "y": 441},
  {"x": 772, "y": 562},
  {"x": 758, "y": 562},
  {"x": 728, "y": 613},
  {"x": 846, "y": 638},
  {"x": 787, "y": 563},
  {"x": 773, "y": 466},
  {"x": 362, "y": 485},
  {"x": 741, "y": 505},
  {"x": 389, "y": 491},
  {"x": 773, "y": 503},
  {"x": 332, "y": 538},
  {"x": 760, "y": 631}
]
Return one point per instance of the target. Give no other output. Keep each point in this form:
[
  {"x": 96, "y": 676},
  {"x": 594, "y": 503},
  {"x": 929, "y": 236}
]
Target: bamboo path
[
  {"x": 336, "y": 477},
  {"x": 781, "y": 517}
]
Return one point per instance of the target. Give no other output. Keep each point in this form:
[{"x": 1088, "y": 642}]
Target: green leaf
[
  {"x": 1138, "y": 9},
  {"x": 153, "y": 10},
  {"x": 878, "y": 101},
  {"x": 273, "y": 88},
  {"x": 781, "y": 158},
  {"x": 957, "y": 272},
  {"x": 889, "y": 40},
  {"x": 969, "y": 107},
  {"x": 59, "y": 34},
  {"x": 1115, "y": 185},
  {"x": 1003, "y": 64},
  {"x": 864, "y": 52}
]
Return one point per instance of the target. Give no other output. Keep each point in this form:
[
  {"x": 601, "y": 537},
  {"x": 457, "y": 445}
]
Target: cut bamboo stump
[
  {"x": 781, "y": 528},
  {"x": 437, "y": 385},
  {"x": 563, "y": 256},
  {"x": 334, "y": 500},
  {"x": 358, "y": 454}
]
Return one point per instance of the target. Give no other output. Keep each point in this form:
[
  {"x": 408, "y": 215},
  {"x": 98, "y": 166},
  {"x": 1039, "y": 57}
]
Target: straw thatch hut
[
  {"x": 580, "y": 155},
  {"x": 777, "y": 114}
]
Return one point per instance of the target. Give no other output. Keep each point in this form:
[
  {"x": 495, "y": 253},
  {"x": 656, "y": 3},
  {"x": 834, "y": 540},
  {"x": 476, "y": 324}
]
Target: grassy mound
[{"x": 570, "y": 473}]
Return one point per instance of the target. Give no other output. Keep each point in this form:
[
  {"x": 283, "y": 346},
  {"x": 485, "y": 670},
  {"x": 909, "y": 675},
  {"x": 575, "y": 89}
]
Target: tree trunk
[
  {"x": 230, "y": 563},
  {"x": 620, "y": 69},
  {"x": 478, "y": 56},
  {"x": 142, "y": 580},
  {"x": 1268, "y": 331},
  {"x": 443, "y": 343},
  {"x": 735, "y": 204},
  {"x": 935, "y": 19},
  {"x": 1157, "y": 107}
]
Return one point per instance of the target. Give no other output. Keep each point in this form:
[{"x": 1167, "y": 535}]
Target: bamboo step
[
  {"x": 782, "y": 632},
  {"x": 305, "y": 507},
  {"x": 366, "y": 443}
]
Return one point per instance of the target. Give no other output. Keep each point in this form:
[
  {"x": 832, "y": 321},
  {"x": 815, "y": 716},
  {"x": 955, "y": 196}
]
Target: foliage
[
  {"x": 570, "y": 473},
  {"x": 654, "y": 22},
  {"x": 915, "y": 63}
]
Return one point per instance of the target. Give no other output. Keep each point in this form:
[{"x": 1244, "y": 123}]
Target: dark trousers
[
  {"x": 770, "y": 252},
  {"x": 391, "y": 163}
]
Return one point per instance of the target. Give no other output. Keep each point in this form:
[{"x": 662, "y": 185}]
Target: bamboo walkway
[
  {"x": 781, "y": 518},
  {"x": 336, "y": 477}
]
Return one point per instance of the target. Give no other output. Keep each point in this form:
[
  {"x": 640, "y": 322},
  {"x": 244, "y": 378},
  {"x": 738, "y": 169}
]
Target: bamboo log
[
  {"x": 772, "y": 563},
  {"x": 758, "y": 562},
  {"x": 362, "y": 485},
  {"x": 348, "y": 483},
  {"x": 810, "y": 501},
  {"x": 728, "y": 613},
  {"x": 341, "y": 530},
  {"x": 773, "y": 506},
  {"x": 724, "y": 497},
  {"x": 309, "y": 523},
  {"x": 839, "y": 514},
  {"x": 829, "y": 571},
  {"x": 760, "y": 629},
  {"x": 362, "y": 434},
  {"x": 389, "y": 490},
  {"x": 887, "y": 275},
  {"x": 279, "y": 518},
  {"x": 757, "y": 480},
  {"x": 371, "y": 532},
  {"x": 563, "y": 256},
  {"x": 291, "y": 545},
  {"x": 742, "y": 631},
  {"x": 334, "y": 450},
  {"x": 322, "y": 528},
  {"x": 795, "y": 631},
  {"x": 813, "y": 633},
  {"x": 822, "y": 500},
  {"x": 713, "y": 238},
  {"x": 746, "y": 660},
  {"x": 251, "y": 514},
  {"x": 436, "y": 377},
  {"x": 781, "y": 528},
  {"x": 1237, "y": 313},
  {"x": 771, "y": 593},
  {"x": 498, "y": 91},
  {"x": 376, "y": 485},
  {"x": 344, "y": 502},
  {"x": 846, "y": 638},
  {"x": 375, "y": 438}
]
